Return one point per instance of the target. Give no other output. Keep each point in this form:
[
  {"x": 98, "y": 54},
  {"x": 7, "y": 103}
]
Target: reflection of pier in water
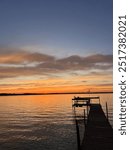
[{"x": 98, "y": 134}]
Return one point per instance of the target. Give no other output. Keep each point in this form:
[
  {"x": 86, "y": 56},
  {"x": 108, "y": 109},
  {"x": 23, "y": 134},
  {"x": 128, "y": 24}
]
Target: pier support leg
[
  {"x": 106, "y": 110},
  {"x": 84, "y": 118},
  {"x": 87, "y": 112},
  {"x": 78, "y": 134}
]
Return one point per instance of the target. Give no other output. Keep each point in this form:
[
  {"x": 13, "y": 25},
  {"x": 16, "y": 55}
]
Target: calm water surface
[{"x": 40, "y": 122}]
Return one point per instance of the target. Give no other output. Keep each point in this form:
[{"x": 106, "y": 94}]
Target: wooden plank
[{"x": 98, "y": 132}]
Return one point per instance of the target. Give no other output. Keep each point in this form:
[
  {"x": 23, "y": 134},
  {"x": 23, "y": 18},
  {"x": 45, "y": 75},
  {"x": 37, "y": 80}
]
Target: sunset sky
[{"x": 55, "y": 46}]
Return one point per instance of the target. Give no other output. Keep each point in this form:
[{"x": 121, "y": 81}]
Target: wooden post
[
  {"x": 77, "y": 129},
  {"x": 74, "y": 113},
  {"x": 84, "y": 118},
  {"x": 87, "y": 112},
  {"x": 106, "y": 110},
  {"x": 99, "y": 100},
  {"x": 78, "y": 134},
  {"x": 72, "y": 103}
]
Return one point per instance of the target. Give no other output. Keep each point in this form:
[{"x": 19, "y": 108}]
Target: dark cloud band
[{"x": 23, "y": 63}]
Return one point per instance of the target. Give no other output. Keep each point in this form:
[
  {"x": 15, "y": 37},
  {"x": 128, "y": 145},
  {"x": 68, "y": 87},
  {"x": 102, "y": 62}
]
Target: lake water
[{"x": 43, "y": 122}]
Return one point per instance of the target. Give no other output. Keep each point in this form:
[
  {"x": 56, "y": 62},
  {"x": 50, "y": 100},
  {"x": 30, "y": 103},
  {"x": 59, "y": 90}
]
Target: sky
[{"x": 55, "y": 45}]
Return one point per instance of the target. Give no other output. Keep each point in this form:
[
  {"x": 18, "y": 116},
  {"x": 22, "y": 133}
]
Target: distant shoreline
[{"x": 22, "y": 94}]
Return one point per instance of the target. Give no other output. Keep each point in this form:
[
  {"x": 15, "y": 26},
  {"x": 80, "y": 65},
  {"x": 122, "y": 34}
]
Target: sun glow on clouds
[{"x": 24, "y": 71}]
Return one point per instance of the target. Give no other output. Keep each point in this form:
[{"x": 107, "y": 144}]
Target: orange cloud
[{"x": 22, "y": 71}]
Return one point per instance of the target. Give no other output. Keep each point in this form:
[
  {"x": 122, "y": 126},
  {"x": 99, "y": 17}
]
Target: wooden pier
[{"x": 98, "y": 133}]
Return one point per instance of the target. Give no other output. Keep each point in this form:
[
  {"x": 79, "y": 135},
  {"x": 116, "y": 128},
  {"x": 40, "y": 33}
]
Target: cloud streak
[
  {"x": 15, "y": 63},
  {"x": 22, "y": 57}
]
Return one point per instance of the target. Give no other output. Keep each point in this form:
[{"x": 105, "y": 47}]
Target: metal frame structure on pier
[{"x": 84, "y": 101}]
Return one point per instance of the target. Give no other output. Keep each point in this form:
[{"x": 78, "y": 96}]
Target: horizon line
[{"x": 52, "y": 93}]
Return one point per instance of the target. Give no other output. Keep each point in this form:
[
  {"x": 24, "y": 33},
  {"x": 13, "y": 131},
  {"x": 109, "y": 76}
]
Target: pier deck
[{"x": 98, "y": 131}]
